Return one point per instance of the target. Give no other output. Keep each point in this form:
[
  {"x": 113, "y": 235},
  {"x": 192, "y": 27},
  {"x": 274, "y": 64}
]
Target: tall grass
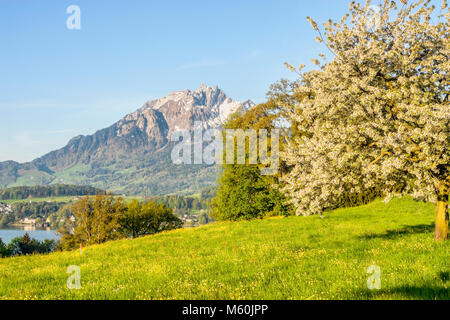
[{"x": 277, "y": 258}]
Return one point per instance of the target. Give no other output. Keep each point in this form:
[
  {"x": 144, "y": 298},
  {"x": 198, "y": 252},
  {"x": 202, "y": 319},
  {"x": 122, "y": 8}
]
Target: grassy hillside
[{"x": 279, "y": 258}]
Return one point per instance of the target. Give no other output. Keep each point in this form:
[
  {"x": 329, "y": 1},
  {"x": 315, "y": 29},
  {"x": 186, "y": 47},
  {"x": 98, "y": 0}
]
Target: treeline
[
  {"x": 193, "y": 210},
  {"x": 43, "y": 212},
  {"x": 35, "y": 209},
  {"x": 59, "y": 190},
  {"x": 105, "y": 218},
  {"x": 25, "y": 245},
  {"x": 187, "y": 203},
  {"x": 98, "y": 219},
  {"x": 55, "y": 214}
]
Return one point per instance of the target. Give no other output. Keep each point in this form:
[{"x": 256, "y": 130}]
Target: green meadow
[{"x": 275, "y": 258}]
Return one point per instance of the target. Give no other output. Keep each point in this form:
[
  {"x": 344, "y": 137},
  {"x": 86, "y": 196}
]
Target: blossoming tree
[{"x": 377, "y": 114}]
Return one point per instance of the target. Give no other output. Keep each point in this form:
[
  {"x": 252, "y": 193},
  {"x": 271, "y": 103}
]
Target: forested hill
[{"x": 59, "y": 190}]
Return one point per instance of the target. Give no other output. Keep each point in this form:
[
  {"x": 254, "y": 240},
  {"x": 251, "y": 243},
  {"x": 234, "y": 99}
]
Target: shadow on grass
[
  {"x": 444, "y": 276},
  {"x": 405, "y": 230},
  {"x": 419, "y": 292}
]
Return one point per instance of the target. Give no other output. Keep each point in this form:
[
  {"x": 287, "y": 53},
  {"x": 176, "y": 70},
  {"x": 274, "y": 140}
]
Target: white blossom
[{"x": 378, "y": 113}]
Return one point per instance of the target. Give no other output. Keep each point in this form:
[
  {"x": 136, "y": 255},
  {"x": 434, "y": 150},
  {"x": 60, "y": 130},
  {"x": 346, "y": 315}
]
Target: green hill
[{"x": 277, "y": 258}]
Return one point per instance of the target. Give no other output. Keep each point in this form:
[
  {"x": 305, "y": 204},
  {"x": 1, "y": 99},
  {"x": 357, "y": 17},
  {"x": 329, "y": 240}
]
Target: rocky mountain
[{"x": 133, "y": 155}]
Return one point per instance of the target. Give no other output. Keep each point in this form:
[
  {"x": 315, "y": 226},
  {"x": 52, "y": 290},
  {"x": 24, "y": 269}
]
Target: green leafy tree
[
  {"x": 147, "y": 218},
  {"x": 96, "y": 221},
  {"x": 243, "y": 192}
]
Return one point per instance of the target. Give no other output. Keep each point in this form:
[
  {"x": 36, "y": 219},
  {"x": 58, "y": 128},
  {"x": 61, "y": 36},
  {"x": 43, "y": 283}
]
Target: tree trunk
[{"x": 441, "y": 232}]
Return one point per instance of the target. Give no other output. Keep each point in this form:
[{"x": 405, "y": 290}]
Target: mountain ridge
[{"x": 138, "y": 142}]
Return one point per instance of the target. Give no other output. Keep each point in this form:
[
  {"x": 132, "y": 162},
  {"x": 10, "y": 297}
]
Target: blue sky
[{"x": 57, "y": 83}]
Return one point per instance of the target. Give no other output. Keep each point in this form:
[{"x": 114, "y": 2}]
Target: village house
[{"x": 28, "y": 221}]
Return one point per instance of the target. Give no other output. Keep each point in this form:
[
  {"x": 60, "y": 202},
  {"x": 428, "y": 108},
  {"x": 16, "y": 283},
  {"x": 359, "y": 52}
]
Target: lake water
[{"x": 8, "y": 234}]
